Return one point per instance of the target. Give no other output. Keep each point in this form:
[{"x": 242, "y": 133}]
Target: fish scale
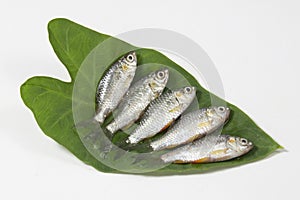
[
  {"x": 192, "y": 126},
  {"x": 162, "y": 112}
]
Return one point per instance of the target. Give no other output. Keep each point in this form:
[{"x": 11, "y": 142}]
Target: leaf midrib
[{"x": 66, "y": 52}]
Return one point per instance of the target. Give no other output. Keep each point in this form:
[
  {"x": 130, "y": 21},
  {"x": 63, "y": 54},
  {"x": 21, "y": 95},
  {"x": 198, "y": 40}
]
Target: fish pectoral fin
[
  {"x": 211, "y": 159},
  {"x": 219, "y": 152},
  {"x": 175, "y": 109},
  {"x": 203, "y": 124},
  {"x": 171, "y": 146},
  {"x": 152, "y": 85}
]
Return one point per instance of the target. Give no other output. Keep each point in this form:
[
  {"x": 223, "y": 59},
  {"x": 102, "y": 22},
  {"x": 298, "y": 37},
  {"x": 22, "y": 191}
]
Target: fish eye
[
  {"x": 129, "y": 58},
  {"x": 188, "y": 89},
  {"x": 221, "y": 108},
  {"x": 160, "y": 74},
  {"x": 244, "y": 141}
]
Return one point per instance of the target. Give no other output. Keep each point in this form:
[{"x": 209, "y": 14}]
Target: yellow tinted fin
[
  {"x": 177, "y": 108},
  {"x": 203, "y": 124},
  {"x": 179, "y": 162},
  {"x": 194, "y": 137},
  {"x": 219, "y": 152},
  {"x": 167, "y": 125},
  {"x": 202, "y": 160}
]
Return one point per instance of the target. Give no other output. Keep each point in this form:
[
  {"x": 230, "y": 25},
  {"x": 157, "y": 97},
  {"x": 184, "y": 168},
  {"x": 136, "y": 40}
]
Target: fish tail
[
  {"x": 99, "y": 117},
  {"x": 101, "y": 114},
  {"x": 112, "y": 127},
  {"x": 155, "y": 145},
  {"x": 132, "y": 140},
  {"x": 166, "y": 158}
]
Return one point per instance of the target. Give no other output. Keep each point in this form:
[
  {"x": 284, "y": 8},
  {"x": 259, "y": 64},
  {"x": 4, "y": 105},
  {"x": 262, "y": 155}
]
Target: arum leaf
[{"x": 50, "y": 100}]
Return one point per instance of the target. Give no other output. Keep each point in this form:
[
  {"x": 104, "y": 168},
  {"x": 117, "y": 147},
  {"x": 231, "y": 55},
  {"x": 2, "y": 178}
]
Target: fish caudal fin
[
  {"x": 101, "y": 114},
  {"x": 112, "y": 127},
  {"x": 99, "y": 118},
  {"x": 132, "y": 140},
  {"x": 155, "y": 146}
]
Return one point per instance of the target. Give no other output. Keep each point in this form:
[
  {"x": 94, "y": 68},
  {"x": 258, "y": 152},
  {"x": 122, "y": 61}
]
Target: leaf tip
[
  {"x": 281, "y": 148},
  {"x": 52, "y": 23},
  {"x": 22, "y": 88}
]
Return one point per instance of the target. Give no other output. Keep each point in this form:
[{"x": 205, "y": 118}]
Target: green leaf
[{"x": 51, "y": 100}]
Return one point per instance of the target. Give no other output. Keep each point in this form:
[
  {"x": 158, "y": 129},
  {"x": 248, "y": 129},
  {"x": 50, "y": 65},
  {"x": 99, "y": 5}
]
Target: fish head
[
  {"x": 158, "y": 81},
  {"x": 130, "y": 59},
  {"x": 220, "y": 113},
  {"x": 185, "y": 95},
  {"x": 239, "y": 145}
]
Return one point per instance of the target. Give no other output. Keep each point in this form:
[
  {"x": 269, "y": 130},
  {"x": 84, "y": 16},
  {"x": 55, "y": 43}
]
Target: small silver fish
[
  {"x": 192, "y": 126},
  {"x": 223, "y": 148},
  {"x": 114, "y": 85},
  {"x": 162, "y": 112},
  {"x": 138, "y": 97}
]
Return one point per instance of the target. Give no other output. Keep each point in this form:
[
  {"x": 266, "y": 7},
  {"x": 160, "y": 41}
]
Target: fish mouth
[
  {"x": 227, "y": 115},
  {"x": 250, "y": 145},
  {"x": 166, "y": 71},
  {"x": 132, "y": 52}
]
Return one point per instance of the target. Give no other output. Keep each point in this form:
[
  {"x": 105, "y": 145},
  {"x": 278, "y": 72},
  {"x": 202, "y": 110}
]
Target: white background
[{"x": 254, "y": 45}]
